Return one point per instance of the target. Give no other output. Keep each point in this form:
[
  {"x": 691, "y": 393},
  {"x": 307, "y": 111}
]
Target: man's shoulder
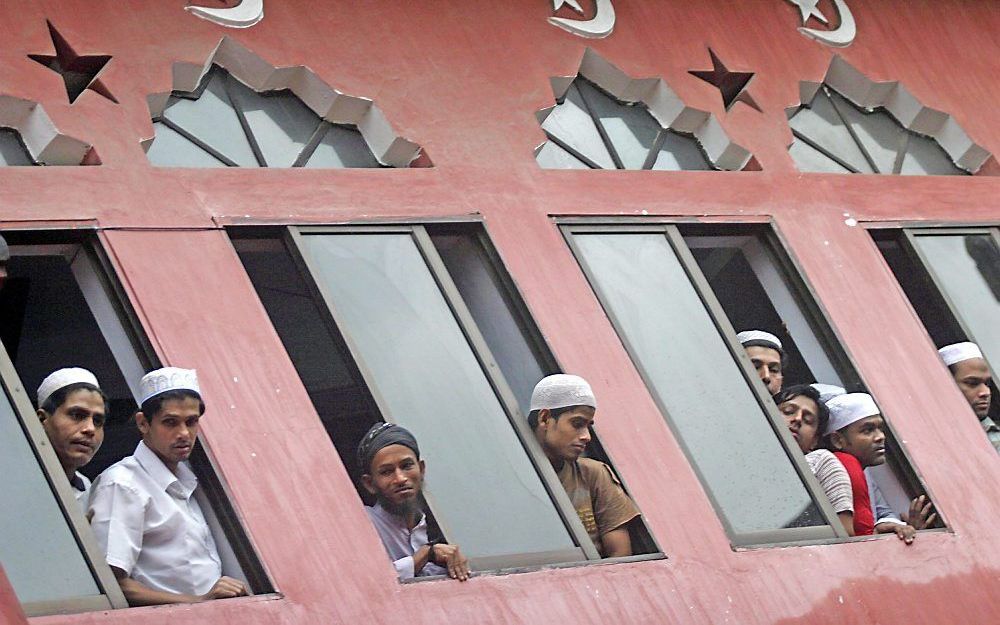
[
  {"x": 126, "y": 473},
  {"x": 594, "y": 471}
]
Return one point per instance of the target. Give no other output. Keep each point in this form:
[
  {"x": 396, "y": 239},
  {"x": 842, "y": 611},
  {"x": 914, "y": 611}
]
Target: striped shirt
[{"x": 833, "y": 478}]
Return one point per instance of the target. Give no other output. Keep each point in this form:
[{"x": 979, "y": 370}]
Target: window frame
[
  {"x": 491, "y": 370},
  {"x": 771, "y": 237},
  {"x": 111, "y": 596},
  {"x": 69, "y": 243}
]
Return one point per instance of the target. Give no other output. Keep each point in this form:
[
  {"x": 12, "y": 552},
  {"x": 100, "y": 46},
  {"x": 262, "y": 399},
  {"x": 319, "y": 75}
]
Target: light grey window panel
[
  {"x": 924, "y": 156},
  {"x": 631, "y": 129},
  {"x": 708, "y": 400},
  {"x": 821, "y": 124},
  {"x": 480, "y": 482},
  {"x": 483, "y": 295},
  {"x": 39, "y": 552},
  {"x": 967, "y": 270},
  {"x": 552, "y": 156},
  {"x": 281, "y": 124},
  {"x": 880, "y": 135},
  {"x": 12, "y": 153},
  {"x": 680, "y": 153},
  {"x": 342, "y": 147},
  {"x": 211, "y": 119},
  {"x": 807, "y": 158},
  {"x": 571, "y": 124},
  {"x": 171, "y": 149}
]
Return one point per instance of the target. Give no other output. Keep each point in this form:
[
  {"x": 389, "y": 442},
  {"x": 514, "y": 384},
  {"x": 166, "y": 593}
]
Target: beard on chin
[{"x": 405, "y": 509}]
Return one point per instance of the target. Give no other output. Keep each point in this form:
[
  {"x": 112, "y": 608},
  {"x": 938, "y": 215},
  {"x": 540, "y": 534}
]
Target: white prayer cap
[
  {"x": 560, "y": 391},
  {"x": 957, "y": 352},
  {"x": 759, "y": 337},
  {"x": 62, "y": 378},
  {"x": 828, "y": 391},
  {"x": 167, "y": 379},
  {"x": 847, "y": 408}
]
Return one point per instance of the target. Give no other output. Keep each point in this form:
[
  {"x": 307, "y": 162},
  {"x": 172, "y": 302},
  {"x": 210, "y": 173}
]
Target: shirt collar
[
  {"x": 79, "y": 482},
  {"x": 989, "y": 424},
  {"x": 182, "y": 484}
]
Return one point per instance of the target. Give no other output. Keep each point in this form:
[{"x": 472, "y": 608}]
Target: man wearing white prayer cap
[
  {"x": 146, "y": 517},
  {"x": 767, "y": 355},
  {"x": 972, "y": 375},
  {"x": 856, "y": 435},
  {"x": 72, "y": 408},
  {"x": 562, "y": 411}
]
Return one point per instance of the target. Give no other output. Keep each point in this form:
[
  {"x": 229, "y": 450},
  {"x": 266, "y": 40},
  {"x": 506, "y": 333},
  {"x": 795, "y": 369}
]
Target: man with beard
[
  {"x": 146, "y": 518},
  {"x": 973, "y": 377},
  {"x": 392, "y": 470},
  {"x": 72, "y": 407}
]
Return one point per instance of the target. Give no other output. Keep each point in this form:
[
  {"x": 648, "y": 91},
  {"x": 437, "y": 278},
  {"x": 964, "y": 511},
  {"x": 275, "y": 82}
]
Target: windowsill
[
  {"x": 836, "y": 541},
  {"x": 643, "y": 557}
]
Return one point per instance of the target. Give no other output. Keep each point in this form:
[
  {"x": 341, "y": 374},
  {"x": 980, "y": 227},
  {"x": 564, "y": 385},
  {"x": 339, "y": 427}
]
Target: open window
[
  {"x": 952, "y": 278},
  {"x": 419, "y": 325},
  {"x": 61, "y": 307},
  {"x": 676, "y": 296}
]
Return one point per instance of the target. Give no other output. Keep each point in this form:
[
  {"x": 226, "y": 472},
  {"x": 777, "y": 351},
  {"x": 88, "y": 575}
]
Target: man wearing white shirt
[
  {"x": 71, "y": 407},
  {"x": 145, "y": 515}
]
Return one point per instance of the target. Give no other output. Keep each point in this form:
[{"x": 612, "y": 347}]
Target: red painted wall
[{"x": 463, "y": 80}]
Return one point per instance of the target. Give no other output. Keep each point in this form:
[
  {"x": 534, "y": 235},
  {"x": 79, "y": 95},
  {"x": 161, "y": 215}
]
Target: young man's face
[
  {"x": 802, "y": 417},
  {"x": 973, "y": 379},
  {"x": 171, "y": 432},
  {"x": 767, "y": 362},
  {"x": 565, "y": 438},
  {"x": 76, "y": 428},
  {"x": 864, "y": 439},
  {"x": 395, "y": 476}
]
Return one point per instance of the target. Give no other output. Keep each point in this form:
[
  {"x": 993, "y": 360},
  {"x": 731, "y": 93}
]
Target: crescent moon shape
[
  {"x": 243, "y": 15},
  {"x": 840, "y": 37},
  {"x": 597, "y": 28}
]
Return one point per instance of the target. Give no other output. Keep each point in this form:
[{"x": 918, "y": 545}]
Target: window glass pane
[
  {"x": 571, "y": 124},
  {"x": 674, "y": 341},
  {"x": 880, "y": 135},
  {"x": 495, "y": 317},
  {"x": 967, "y": 270},
  {"x": 822, "y": 125},
  {"x": 342, "y": 147},
  {"x": 487, "y": 496},
  {"x": 39, "y": 552},
  {"x": 172, "y": 149},
  {"x": 925, "y": 156},
  {"x": 280, "y": 122},
  {"x": 808, "y": 158},
  {"x": 552, "y": 156},
  {"x": 631, "y": 129},
  {"x": 12, "y": 153},
  {"x": 680, "y": 153},
  {"x": 211, "y": 119}
]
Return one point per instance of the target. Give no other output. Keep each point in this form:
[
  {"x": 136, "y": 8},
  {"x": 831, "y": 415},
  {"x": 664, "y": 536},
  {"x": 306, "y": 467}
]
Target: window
[
  {"x": 419, "y": 326},
  {"x": 60, "y": 307},
  {"x": 28, "y": 137},
  {"x": 851, "y": 124},
  {"x": 952, "y": 278},
  {"x": 604, "y": 119},
  {"x": 674, "y": 296}
]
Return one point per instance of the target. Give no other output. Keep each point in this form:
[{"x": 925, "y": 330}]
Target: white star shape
[{"x": 806, "y": 7}]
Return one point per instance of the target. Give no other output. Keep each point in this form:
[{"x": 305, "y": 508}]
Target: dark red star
[
  {"x": 79, "y": 72},
  {"x": 732, "y": 85}
]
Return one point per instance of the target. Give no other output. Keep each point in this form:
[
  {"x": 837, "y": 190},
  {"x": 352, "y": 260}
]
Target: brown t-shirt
[{"x": 597, "y": 496}]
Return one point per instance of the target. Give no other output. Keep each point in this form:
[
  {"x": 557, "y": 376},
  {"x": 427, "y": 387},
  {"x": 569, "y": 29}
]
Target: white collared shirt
[
  {"x": 81, "y": 490},
  {"x": 149, "y": 525},
  {"x": 401, "y": 542}
]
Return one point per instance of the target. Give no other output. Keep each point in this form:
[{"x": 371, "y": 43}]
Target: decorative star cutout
[
  {"x": 808, "y": 9},
  {"x": 556, "y": 4},
  {"x": 732, "y": 85},
  {"x": 79, "y": 72}
]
